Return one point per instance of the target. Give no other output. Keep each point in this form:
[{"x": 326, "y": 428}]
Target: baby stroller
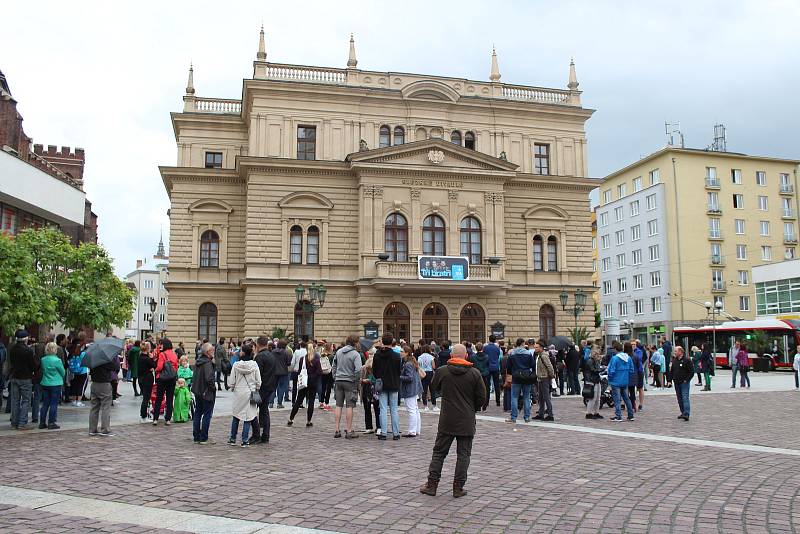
[{"x": 605, "y": 390}]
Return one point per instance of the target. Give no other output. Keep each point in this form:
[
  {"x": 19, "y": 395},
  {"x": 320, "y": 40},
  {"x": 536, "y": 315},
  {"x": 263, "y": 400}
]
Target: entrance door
[
  {"x": 473, "y": 324},
  {"x": 397, "y": 321},
  {"x": 434, "y": 323}
]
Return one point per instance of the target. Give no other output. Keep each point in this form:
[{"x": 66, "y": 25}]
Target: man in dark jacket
[
  {"x": 386, "y": 367},
  {"x": 101, "y": 397},
  {"x": 220, "y": 356},
  {"x": 682, "y": 374},
  {"x": 282, "y": 362},
  {"x": 205, "y": 393},
  {"x": 266, "y": 360},
  {"x": 493, "y": 353},
  {"x": 463, "y": 394},
  {"x": 573, "y": 362},
  {"x": 21, "y": 368}
]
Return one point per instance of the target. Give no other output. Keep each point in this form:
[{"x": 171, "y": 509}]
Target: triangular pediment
[{"x": 431, "y": 153}]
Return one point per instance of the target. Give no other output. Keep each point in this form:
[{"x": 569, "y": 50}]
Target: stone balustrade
[
  {"x": 217, "y": 105},
  {"x": 536, "y": 94},
  {"x": 408, "y": 271},
  {"x": 306, "y": 74}
]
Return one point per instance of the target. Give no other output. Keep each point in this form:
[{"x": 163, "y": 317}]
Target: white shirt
[{"x": 297, "y": 357}]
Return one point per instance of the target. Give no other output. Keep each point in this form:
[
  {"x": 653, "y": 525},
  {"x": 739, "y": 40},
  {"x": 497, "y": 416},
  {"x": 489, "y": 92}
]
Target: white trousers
[{"x": 414, "y": 420}]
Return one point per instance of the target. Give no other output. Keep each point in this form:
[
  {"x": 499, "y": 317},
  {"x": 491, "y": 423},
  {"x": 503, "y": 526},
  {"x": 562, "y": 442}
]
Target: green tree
[
  {"x": 579, "y": 334},
  {"x": 23, "y": 299}
]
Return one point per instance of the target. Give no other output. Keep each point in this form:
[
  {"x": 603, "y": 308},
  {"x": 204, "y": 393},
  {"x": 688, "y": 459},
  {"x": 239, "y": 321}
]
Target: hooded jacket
[
  {"x": 346, "y": 365},
  {"x": 520, "y": 358},
  {"x": 387, "y": 365},
  {"x": 463, "y": 393},
  {"x": 282, "y": 361},
  {"x": 620, "y": 369},
  {"x": 245, "y": 378},
  {"x": 481, "y": 362},
  {"x": 493, "y": 353},
  {"x": 410, "y": 382},
  {"x": 203, "y": 385}
]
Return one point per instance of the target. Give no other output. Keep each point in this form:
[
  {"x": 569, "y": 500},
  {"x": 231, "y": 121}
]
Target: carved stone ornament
[
  {"x": 435, "y": 156},
  {"x": 503, "y": 156},
  {"x": 362, "y": 146},
  {"x": 415, "y": 194}
]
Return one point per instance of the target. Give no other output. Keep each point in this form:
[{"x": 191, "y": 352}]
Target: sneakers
[
  {"x": 589, "y": 416},
  {"x": 280, "y": 406},
  {"x": 527, "y": 420},
  {"x": 155, "y": 422},
  {"x": 549, "y": 418},
  {"x": 435, "y": 409},
  {"x": 289, "y": 422},
  {"x": 309, "y": 424},
  {"x": 232, "y": 442},
  {"x": 79, "y": 404},
  {"x": 368, "y": 431},
  {"x": 509, "y": 420},
  {"x": 338, "y": 434},
  {"x": 53, "y": 426},
  {"x": 395, "y": 437},
  {"x": 42, "y": 426},
  {"x": 244, "y": 444},
  {"x": 597, "y": 416},
  {"x": 538, "y": 417},
  {"x": 409, "y": 435},
  {"x": 630, "y": 418},
  {"x": 106, "y": 434},
  {"x": 381, "y": 437},
  {"x": 616, "y": 419},
  {"x": 350, "y": 435},
  {"x": 167, "y": 423},
  {"x": 94, "y": 433}
]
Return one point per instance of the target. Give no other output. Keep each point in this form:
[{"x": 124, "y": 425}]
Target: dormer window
[
  {"x": 385, "y": 137},
  {"x": 469, "y": 140},
  {"x": 455, "y": 137}
]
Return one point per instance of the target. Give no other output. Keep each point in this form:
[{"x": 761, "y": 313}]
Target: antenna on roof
[
  {"x": 720, "y": 144},
  {"x": 671, "y": 129}
]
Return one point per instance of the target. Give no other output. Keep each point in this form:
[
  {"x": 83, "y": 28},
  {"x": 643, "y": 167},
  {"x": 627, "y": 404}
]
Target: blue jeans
[
  {"x": 526, "y": 393},
  {"x": 36, "y": 397},
  {"x": 615, "y": 394},
  {"x": 51, "y": 395},
  {"x": 682, "y": 392},
  {"x": 283, "y": 389},
  {"x": 235, "y": 430},
  {"x": 203, "y": 410},
  {"x": 19, "y": 395},
  {"x": 734, "y": 370},
  {"x": 388, "y": 400}
]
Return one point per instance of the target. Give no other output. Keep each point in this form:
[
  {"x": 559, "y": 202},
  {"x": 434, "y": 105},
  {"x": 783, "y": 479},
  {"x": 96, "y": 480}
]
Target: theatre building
[{"x": 428, "y": 207}]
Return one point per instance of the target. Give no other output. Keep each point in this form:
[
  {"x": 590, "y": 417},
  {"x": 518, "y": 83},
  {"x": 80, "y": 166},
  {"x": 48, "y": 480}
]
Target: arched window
[
  {"x": 397, "y": 321},
  {"x": 471, "y": 239},
  {"x": 312, "y": 245},
  {"x": 552, "y": 253},
  {"x": 385, "y": 137},
  {"x": 207, "y": 322},
  {"x": 434, "y": 323},
  {"x": 547, "y": 322},
  {"x": 421, "y": 134},
  {"x": 538, "y": 264},
  {"x": 209, "y": 249},
  {"x": 396, "y": 237},
  {"x": 433, "y": 233},
  {"x": 455, "y": 137},
  {"x": 296, "y": 244},
  {"x": 399, "y": 135},
  {"x": 303, "y": 320},
  {"x": 469, "y": 140},
  {"x": 473, "y": 324}
]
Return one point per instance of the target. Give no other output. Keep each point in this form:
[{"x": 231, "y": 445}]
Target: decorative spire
[
  {"x": 262, "y": 48},
  {"x": 160, "y": 252},
  {"x": 190, "y": 83},
  {"x": 573, "y": 78},
  {"x": 494, "y": 75},
  {"x": 351, "y": 60}
]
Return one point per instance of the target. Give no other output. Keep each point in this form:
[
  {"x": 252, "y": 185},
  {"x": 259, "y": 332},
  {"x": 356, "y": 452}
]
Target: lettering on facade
[{"x": 444, "y": 184}]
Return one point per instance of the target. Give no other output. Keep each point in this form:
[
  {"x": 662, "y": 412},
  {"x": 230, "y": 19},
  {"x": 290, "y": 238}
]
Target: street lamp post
[
  {"x": 629, "y": 325},
  {"x": 577, "y": 308},
  {"x": 314, "y": 300},
  {"x": 714, "y": 310},
  {"x": 152, "y": 314}
]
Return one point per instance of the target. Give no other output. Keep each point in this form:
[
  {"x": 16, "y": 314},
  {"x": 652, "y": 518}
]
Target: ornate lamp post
[
  {"x": 152, "y": 315},
  {"x": 577, "y": 308},
  {"x": 714, "y": 310},
  {"x": 311, "y": 302}
]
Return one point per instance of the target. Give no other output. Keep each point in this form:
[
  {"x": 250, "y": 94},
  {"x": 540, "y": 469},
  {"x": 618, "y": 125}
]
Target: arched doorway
[
  {"x": 473, "y": 324},
  {"x": 303, "y": 321},
  {"x": 434, "y": 323},
  {"x": 397, "y": 321},
  {"x": 547, "y": 322}
]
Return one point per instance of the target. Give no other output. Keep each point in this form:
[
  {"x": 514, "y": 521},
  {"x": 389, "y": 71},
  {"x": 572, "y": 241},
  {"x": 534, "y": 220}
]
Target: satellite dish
[{"x": 788, "y": 254}]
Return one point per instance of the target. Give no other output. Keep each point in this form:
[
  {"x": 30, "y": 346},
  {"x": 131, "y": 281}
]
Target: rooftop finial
[
  {"x": 262, "y": 48},
  {"x": 573, "y": 78},
  {"x": 190, "y": 83},
  {"x": 494, "y": 75},
  {"x": 160, "y": 252},
  {"x": 351, "y": 60}
]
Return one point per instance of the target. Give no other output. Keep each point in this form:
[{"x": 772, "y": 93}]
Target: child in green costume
[{"x": 183, "y": 398}]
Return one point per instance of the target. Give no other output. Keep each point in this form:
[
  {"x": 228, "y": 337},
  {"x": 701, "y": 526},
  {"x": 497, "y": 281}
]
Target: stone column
[
  {"x": 377, "y": 217},
  {"x": 366, "y": 219},
  {"x": 453, "y": 246},
  {"x": 415, "y": 237}
]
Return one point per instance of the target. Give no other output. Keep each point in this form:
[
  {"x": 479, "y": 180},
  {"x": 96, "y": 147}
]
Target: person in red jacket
[{"x": 166, "y": 378}]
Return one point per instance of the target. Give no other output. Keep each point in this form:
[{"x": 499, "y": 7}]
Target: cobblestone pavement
[{"x": 534, "y": 479}]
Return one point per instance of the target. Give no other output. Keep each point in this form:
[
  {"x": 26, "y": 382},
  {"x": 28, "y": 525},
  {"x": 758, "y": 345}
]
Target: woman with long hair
[
  {"x": 326, "y": 381},
  {"x": 146, "y": 364},
  {"x": 743, "y": 361},
  {"x": 410, "y": 388},
  {"x": 706, "y": 365},
  {"x": 591, "y": 375},
  {"x": 310, "y": 363}
]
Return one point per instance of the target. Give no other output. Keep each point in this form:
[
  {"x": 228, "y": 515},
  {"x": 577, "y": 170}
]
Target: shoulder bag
[
  {"x": 168, "y": 372},
  {"x": 255, "y": 396},
  {"x": 302, "y": 376}
]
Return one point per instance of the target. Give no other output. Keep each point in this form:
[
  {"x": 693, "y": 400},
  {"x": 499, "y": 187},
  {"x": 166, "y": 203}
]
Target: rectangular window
[
  {"x": 741, "y": 252},
  {"x": 634, "y": 208},
  {"x": 163, "y": 301},
  {"x": 620, "y": 261},
  {"x": 637, "y": 183},
  {"x": 711, "y": 173},
  {"x": 655, "y": 304},
  {"x": 161, "y": 317},
  {"x": 637, "y": 257},
  {"x": 655, "y": 177},
  {"x": 744, "y": 303},
  {"x": 605, "y": 242},
  {"x": 541, "y": 159},
  {"x": 606, "y": 196},
  {"x": 213, "y": 160},
  {"x": 608, "y": 310},
  {"x": 739, "y": 224},
  {"x": 307, "y": 142},
  {"x": 622, "y": 190},
  {"x": 655, "y": 279},
  {"x": 652, "y": 227},
  {"x": 594, "y": 243},
  {"x": 9, "y": 222},
  {"x": 638, "y": 306},
  {"x": 654, "y": 253},
  {"x": 762, "y": 203},
  {"x": 594, "y": 265},
  {"x": 606, "y": 264},
  {"x": 638, "y": 281},
  {"x": 622, "y": 285},
  {"x": 619, "y": 213},
  {"x": 148, "y": 284},
  {"x": 623, "y": 308},
  {"x": 788, "y": 230},
  {"x": 620, "y": 235},
  {"x": 650, "y": 202},
  {"x": 763, "y": 227},
  {"x": 786, "y": 207},
  {"x": 789, "y": 253},
  {"x": 738, "y": 202},
  {"x": 636, "y": 233},
  {"x": 713, "y": 201},
  {"x": 784, "y": 176},
  {"x": 716, "y": 279},
  {"x": 761, "y": 178},
  {"x": 744, "y": 278},
  {"x": 713, "y": 228},
  {"x": 716, "y": 253},
  {"x": 604, "y": 219},
  {"x": 766, "y": 253},
  {"x": 606, "y": 287},
  {"x": 736, "y": 176}
]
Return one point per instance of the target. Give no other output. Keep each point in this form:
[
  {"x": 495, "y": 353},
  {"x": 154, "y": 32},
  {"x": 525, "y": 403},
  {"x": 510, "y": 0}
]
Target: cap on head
[{"x": 21, "y": 334}]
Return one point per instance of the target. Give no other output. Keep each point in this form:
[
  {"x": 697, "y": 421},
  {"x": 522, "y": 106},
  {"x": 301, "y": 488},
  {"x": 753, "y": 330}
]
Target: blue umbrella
[{"x": 102, "y": 352}]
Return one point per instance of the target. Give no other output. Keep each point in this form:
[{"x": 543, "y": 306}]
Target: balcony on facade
[
  {"x": 790, "y": 239},
  {"x": 787, "y": 189},
  {"x": 788, "y": 213},
  {"x": 712, "y": 183},
  {"x": 394, "y": 275},
  {"x": 715, "y": 234},
  {"x": 717, "y": 260},
  {"x": 714, "y": 209},
  {"x": 718, "y": 286}
]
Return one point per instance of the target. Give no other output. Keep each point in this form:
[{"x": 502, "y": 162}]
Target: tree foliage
[
  {"x": 579, "y": 334},
  {"x": 48, "y": 280}
]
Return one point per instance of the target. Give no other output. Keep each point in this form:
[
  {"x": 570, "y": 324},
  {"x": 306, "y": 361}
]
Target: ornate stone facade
[{"x": 278, "y": 189}]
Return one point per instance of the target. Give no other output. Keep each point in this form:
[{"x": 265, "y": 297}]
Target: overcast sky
[{"x": 105, "y": 77}]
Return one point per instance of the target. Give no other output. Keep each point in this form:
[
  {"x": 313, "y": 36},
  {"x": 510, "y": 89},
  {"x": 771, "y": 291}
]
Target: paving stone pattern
[
  {"x": 21, "y": 520},
  {"x": 530, "y": 480}
]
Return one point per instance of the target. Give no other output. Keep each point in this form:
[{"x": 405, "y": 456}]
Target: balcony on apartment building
[
  {"x": 718, "y": 286},
  {"x": 714, "y": 209},
  {"x": 716, "y": 259},
  {"x": 712, "y": 183},
  {"x": 787, "y": 189},
  {"x": 788, "y": 213},
  {"x": 714, "y": 233},
  {"x": 790, "y": 239}
]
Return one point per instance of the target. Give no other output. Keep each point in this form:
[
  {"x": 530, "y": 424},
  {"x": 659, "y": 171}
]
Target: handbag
[
  {"x": 588, "y": 390},
  {"x": 255, "y": 396},
  {"x": 523, "y": 376},
  {"x": 553, "y": 383},
  {"x": 302, "y": 376},
  {"x": 378, "y": 386},
  {"x": 325, "y": 364},
  {"x": 422, "y": 373}
]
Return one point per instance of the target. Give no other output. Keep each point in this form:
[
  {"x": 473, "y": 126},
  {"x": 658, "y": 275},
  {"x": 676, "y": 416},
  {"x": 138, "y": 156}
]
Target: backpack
[
  {"x": 167, "y": 372},
  {"x": 325, "y": 363},
  {"x": 74, "y": 363}
]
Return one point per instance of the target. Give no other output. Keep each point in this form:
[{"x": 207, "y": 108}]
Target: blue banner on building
[{"x": 442, "y": 268}]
